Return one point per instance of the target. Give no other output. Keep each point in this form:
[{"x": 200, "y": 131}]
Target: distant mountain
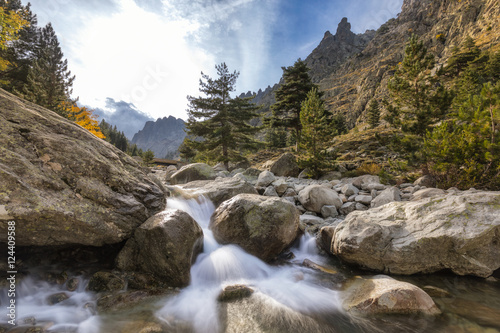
[
  {"x": 352, "y": 69},
  {"x": 163, "y": 136}
]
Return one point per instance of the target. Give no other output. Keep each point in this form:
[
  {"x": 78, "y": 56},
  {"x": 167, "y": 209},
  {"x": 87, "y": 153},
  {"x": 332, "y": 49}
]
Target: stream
[{"x": 287, "y": 297}]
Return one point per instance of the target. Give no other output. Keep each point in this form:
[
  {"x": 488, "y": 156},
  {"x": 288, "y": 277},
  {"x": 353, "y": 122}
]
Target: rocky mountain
[
  {"x": 163, "y": 136},
  {"x": 353, "y": 69}
]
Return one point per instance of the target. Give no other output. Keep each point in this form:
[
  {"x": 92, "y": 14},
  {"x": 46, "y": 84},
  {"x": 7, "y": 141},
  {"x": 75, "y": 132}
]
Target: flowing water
[{"x": 287, "y": 297}]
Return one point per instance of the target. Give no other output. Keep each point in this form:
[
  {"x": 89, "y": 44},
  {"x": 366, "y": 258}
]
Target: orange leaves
[
  {"x": 10, "y": 24},
  {"x": 85, "y": 118}
]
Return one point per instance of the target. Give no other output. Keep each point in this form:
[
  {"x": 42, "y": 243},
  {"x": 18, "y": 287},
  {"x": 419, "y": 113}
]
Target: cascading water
[{"x": 224, "y": 265}]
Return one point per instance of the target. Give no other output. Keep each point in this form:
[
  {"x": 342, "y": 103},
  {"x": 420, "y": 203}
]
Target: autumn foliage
[{"x": 85, "y": 118}]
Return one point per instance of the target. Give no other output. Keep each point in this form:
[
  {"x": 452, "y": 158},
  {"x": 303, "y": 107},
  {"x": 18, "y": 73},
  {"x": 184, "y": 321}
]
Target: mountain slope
[{"x": 163, "y": 136}]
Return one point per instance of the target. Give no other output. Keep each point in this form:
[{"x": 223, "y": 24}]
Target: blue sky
[{"x": 149, "y": 53}]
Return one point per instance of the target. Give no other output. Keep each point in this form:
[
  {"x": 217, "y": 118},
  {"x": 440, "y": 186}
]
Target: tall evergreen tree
[
  {"x": 316, "y": 133},
  {"x": 373, "y": 113},
  {"x": 220, "y": 121},
  {"x": 289, "y": 97},
  {"x": 420, "y": 100},
  {"x": 49, "y": 81}
]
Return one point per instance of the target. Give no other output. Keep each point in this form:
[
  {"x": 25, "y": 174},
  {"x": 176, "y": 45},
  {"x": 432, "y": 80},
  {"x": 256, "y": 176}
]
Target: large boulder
[
  {"x": 382, "y": 294},
  {"x": 164, "y": 246},
  {"x": 262, "y": 226},
  {"x": 285, "y": 166},
  {"x": 456, "y": 232},
  {"x": 64, "y": 186},
  {"x": 314, "y": 197},
  {"x": 220, "y": 190},
  {"x": 192, "y": 172}
]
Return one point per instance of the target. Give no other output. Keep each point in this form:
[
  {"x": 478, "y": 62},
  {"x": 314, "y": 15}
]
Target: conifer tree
[
  {"x": 49, "y": 81},
  {"x": 222, "y": 122},
  {"x": 316, "y": 133},
  {"x": 289, "y": 97},
  {"x": 373, "y": 113},
  {"x": 419, "y": 98}
]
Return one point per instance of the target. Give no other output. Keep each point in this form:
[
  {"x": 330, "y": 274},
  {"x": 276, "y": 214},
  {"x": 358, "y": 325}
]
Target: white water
[
  {"x": 217, "y": 267},
  {"x": 75, "y": 314},
  {"x": 223, "y": 265}
]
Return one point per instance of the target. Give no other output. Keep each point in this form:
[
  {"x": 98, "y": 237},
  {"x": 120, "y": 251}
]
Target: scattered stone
[
  {"x": 360, "y": 206},
  {"x": 324, "y": 238},
  {"x": 105, "y": 281},
  {"x": 290, "y": 192},
  {"x": 388, "y": 195},
  {"x": 310, "y": 264},
  {"x": 262, "y": 226},
  {"x": 234, "y": 292},
  {"x": 164, "y": 246},
  {"x": 427, "y": 181},
  {"x": 347, "y": 208},
  {"x": 171, "y": 169},
  {"x": 265, "y": 179},
  {"x": 57, "y": 298},
  {"x": 332, "y": 175},
  {"x": 192, "y": 172},
  {"x": 364, "y": 199},
  {"x": 314, "y": 197},
  {"x": 349, "y": 190},
  {"x": 285, "y": 166},
  {"x": 329, "y": 211},
  {"x": 280, "y": 185},
  {"x": 72, "y": 284},
  {"x": 365, "y": 180},
  {"x": 271, "y": 192},
  {"x": 382, "y": 294},
  {"x": 310, "y": 223}
]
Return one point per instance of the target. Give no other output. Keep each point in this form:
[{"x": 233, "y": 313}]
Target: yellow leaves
[
  {"x": 10, "y": 24},
  {"x": 85, "y": 118}
]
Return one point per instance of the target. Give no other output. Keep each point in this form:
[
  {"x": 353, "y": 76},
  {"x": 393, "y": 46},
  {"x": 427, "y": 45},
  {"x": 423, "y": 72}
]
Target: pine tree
[
  {"x": 420, "y": 100},
  {"x": 220, "y": 121},
  {"x": 49, "y": 81},
  {"x": 373, "y": 113},
  {"x": 289, "y": 97},
  {"x": 316, "y": 133},
  {"x": 148, "y": 157}
]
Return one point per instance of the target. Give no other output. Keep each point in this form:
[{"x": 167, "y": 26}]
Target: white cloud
[{"x": 139, "y": 57}]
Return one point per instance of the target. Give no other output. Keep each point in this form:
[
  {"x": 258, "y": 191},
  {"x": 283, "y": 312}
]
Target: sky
[{"x": 146, "y": 56}]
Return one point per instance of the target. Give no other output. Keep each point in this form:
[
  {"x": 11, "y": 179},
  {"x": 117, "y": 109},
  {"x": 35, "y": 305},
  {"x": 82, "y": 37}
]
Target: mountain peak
[{"x": 344, "y": 32}]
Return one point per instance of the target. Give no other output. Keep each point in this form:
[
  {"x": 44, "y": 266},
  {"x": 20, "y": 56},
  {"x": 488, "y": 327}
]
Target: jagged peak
[
  {"x": 344, "y": 30},
  {"x": 327, "y": 35}
]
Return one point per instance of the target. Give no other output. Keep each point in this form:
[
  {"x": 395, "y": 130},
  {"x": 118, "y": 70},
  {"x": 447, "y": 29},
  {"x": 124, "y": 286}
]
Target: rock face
[
  {"x": 314, "y": 197},
  {"x": 64, "y": 186},
  {"x": 382, "y": 294},
  {"x": 220, "y": 190},
  {"x": 456, "y": 232},
  {"x": 262, "y": 226},
  {"x": 164, "y": 246},
  {"x": 163, "y": 136},
  {"x": 192, "y": 172}
]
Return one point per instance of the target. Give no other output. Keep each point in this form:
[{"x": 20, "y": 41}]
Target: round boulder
[
  {"x": 285, "y": 166},
  {"x": 262, "y": 226},
  {"x": 314, "y": 197},
  {"x": 164, "y": 246}
]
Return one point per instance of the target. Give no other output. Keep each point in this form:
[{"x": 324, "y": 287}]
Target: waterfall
[{"x": 219, "y": 266}]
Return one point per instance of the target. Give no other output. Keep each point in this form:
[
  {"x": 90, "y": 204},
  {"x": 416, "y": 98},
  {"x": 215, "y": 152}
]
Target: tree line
[{"x": 33, "y": 66}]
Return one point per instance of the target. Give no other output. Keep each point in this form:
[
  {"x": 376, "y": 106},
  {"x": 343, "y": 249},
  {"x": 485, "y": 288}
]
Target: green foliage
[
  {"x": 316, "y": 133},
  {"x": 49, "y": 81},
  {"x": 117, "y": 138},
  {"x": 373, "y": 113},
  {"x": 338, "y": 124},
  {"x": 220, "y": 123},
  {"x": 420, "y": 100},
  {"x": 276, "y": 137},
  {"x": 289, "y": 97},
  {"x": 148, "y": 157},
  {"x": 465, "y": 151}
]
